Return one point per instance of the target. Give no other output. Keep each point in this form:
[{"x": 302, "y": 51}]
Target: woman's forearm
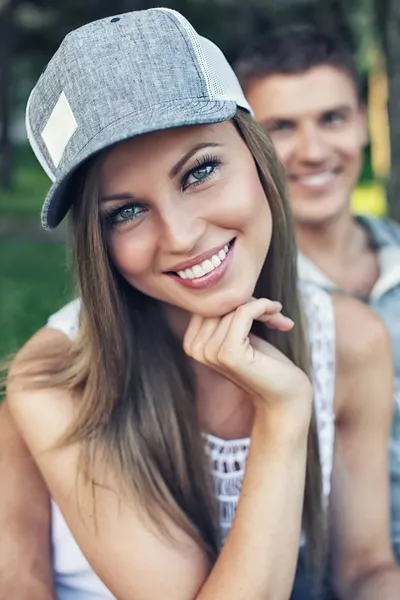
[{"x": 259, "y": 558}]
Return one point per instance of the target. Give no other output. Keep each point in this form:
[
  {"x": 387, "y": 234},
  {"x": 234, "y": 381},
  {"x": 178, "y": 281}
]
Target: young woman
[{"x": 178, "y": 364}]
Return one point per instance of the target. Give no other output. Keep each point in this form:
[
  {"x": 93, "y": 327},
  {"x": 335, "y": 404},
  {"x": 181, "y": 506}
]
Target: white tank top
[{"x": 75, "y": 579}]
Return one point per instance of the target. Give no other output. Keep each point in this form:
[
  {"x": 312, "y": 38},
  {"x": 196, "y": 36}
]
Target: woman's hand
[{"x": 226, "y": 345}]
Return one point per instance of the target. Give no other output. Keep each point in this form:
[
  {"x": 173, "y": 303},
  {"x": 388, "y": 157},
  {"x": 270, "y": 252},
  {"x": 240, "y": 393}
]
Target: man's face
[{"x": 319, "y": 130}]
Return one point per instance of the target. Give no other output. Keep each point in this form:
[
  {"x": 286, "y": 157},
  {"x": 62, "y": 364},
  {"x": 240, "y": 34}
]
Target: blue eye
[
  {"x": 117, "y": 215},
  {"x": 204, "y": 169},
  {"x": 200, "y": 174}
]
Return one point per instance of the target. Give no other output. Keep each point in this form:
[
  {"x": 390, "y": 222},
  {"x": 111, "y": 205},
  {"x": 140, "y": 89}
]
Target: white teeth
[
  {"x": 316, "y": 180},
  {"x": 222, "y": 254},
  {"x": 206, "y": 266},
  {"x": 198, "y": 271},
  {"x": 215, "y": 261}
]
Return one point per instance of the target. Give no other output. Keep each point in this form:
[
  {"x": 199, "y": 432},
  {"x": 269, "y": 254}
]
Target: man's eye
[
  {"x": 332, "y": 118},
  {"x": 280, "y": 126}
]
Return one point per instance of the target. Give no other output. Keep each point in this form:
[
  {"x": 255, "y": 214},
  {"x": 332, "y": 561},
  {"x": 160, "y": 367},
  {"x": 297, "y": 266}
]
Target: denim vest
[{"x": 385, "y": 300}]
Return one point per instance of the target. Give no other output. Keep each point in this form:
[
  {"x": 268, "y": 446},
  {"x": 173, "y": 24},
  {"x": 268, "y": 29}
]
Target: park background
[{"x": 34, "y": 276}]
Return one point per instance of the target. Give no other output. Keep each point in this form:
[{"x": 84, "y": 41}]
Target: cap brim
[{"x": 165, "y": 116}]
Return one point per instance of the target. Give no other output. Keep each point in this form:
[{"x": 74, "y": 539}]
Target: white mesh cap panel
[{"x": 220, "y": 79}]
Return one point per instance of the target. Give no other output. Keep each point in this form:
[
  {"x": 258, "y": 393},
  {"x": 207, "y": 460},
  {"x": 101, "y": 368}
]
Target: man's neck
[
  {"x": 339, "y": 240},
  {"x": 342, "y": 250}
]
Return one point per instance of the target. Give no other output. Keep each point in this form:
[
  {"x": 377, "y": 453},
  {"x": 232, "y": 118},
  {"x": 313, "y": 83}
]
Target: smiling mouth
[
  {"x": 315, "y": 179},
  {"x": 206, "y": 266}
]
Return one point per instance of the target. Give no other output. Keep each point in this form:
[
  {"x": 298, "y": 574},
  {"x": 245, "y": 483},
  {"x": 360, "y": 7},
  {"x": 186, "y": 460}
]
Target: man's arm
[
  {"x": 363, "y": 564},
  {"x": 25, "y": 557}
]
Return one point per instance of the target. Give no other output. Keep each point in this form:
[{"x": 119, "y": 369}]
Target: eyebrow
[
  {"x": 112, "y": 197},
  {"x": 181, "y": 162},
  {"x": 342, "y": 108},
  {"x": 173, "y": 172},
  {"x": 273, "y": 120}
]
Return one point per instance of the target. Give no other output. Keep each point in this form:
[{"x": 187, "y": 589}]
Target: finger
[
  {"x": 273, "y": 317},
  {"x": 271, "y": 306},
  {"x": 277, "y": 321},
  {"x": 212, "y": 349},
  {"x": 201, "y": 338},
  {"x": 191, "y": 332},
  {"x": 240, "y": 326}
]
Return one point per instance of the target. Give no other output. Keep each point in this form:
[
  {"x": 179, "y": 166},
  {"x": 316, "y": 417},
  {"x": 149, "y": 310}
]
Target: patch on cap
[{"x": 59, "y": 129}]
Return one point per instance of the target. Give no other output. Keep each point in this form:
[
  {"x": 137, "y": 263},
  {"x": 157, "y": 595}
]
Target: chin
[
  {"x": 320, "y": 212},
  {"x": 218, "y": 307}
]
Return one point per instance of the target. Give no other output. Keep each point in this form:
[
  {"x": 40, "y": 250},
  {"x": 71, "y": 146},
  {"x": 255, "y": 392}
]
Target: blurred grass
[
  {"x": 34, "y": 283},
  {"x": 31, "y": 185}
]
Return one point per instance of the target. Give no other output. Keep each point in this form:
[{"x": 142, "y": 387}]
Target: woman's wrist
[{"x": 287, "y": 421}]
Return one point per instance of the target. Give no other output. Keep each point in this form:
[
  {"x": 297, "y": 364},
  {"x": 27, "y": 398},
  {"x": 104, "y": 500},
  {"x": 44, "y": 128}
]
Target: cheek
[
  {"x": 350, "y": 145},
  {"x": 284, "y": 148},
  {"x": 131, "y": 254},
  {"x": 242, "y": 204},
  {"x": 253, "y": 219}
]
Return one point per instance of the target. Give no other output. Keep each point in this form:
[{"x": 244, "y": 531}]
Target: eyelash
[
  {"x": 110, "y": 215},
  {"x": 205, "y": 161}
]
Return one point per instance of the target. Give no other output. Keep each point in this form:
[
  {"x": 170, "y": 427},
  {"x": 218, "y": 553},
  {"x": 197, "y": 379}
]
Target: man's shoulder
[
  {"x": 384, "y": 231},
  {"x": 362, "y": 344},
  {"x": 360, "y": 331}
]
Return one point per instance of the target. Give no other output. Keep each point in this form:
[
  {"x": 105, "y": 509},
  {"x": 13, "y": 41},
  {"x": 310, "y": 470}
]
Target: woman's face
[{"x": 187, "y": 218}]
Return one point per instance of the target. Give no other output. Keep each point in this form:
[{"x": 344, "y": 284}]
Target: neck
[
  {"x": 223, "y": 409},
  {"x": 339, "y": 240},
  {"x": 177, "y": 318}
]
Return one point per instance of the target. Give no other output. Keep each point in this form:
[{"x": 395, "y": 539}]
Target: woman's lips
[{"x": 209, "y": 279}]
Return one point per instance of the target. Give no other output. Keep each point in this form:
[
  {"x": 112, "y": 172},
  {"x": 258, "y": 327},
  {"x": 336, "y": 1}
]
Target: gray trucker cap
[{"x": 117, "y": 78}]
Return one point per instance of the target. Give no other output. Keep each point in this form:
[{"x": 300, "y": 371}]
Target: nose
[
  {"x": 311, "y": 145},
  {"x": 181, "y": 229}
]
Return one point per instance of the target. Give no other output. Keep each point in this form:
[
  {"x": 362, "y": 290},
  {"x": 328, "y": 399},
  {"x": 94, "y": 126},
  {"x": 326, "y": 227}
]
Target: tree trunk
[
  {"x": 7, "y": 41},
  {"x": 389, "y": 19}
]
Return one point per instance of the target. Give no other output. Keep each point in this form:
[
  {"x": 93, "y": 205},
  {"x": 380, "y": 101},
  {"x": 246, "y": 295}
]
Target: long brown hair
[{"x": 137, "y": 407}]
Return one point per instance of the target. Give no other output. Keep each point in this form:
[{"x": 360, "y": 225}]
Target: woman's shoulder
[
  {"x": 66, "y": 319},
  {"x": 45, "y": 351},
  {"x": 42, "y": 412},
  {"x": 42, "y": 356}
]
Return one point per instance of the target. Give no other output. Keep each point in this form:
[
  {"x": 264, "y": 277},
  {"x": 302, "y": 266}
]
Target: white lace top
[{"x": 75, "y": 580}]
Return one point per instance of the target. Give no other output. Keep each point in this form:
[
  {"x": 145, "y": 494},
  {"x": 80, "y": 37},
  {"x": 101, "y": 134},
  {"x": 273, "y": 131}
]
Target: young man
[{"x": 304, "y": 87}]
